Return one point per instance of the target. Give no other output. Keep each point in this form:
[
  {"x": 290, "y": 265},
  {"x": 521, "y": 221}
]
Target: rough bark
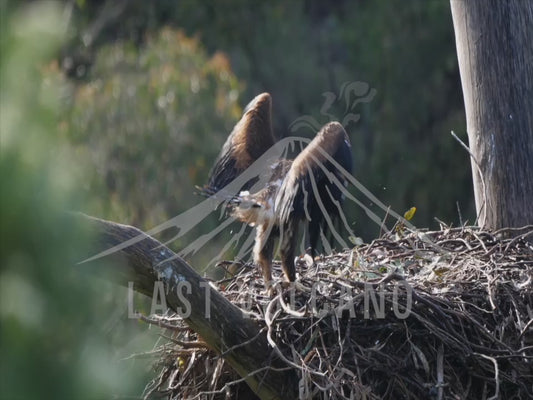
[
  {"x": 494, "y": 41},
  {"x": 143, "y": 260}
]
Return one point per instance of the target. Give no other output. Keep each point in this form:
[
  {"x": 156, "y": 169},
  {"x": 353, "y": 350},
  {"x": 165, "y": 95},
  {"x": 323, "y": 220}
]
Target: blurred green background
[{"x": 118, "y": 108}]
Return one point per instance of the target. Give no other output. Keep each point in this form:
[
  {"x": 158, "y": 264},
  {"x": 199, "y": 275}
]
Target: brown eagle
[{"x": 307, "y": 188}]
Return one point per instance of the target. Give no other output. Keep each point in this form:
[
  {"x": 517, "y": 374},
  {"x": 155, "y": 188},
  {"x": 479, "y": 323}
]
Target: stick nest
[{"x": 413, "y": 315}]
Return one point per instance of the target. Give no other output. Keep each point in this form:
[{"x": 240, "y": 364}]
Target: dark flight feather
[
  {"x": 250, "y": 138},
  {"x": 313, "y": 164}
]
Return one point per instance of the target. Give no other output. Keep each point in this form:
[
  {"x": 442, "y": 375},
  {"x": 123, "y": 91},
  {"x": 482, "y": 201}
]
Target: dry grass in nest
[{"x": 467, "y": 332}]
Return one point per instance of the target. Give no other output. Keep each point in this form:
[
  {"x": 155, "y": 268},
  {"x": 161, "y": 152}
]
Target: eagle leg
[
  {"x": 314, "y": 233},
  {"x": 289, "y": 235},
  {"x": 263, "y": 250}
]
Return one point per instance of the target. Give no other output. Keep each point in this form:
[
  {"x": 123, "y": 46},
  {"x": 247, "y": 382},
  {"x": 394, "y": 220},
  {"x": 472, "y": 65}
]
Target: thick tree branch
[
  {"x": 495, "y": 57},
  {"x": 144, "y": 261}
]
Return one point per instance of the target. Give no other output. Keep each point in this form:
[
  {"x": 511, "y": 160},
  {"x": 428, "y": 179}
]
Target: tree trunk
[
  {"x": 138, "y": 258},
  {"x": 494, "y": 41}
]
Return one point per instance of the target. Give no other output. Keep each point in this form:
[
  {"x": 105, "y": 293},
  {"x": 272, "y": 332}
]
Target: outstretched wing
[
  {"x": 312, "y": 188},
  {"x": 250, "y": 138}
]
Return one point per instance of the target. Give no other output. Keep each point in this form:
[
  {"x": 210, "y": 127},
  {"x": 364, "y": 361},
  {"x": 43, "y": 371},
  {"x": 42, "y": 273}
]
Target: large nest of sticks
[{"x": 415, "y": 315}]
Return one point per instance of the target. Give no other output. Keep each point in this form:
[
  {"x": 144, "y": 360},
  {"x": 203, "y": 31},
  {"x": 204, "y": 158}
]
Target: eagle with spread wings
[{"x": 307, "y": 188}]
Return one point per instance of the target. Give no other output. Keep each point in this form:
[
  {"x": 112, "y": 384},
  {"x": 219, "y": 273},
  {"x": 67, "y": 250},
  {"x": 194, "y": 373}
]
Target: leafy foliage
[
  {"x": 151, "y": 120},
  {"x": 51, "y": 338}
]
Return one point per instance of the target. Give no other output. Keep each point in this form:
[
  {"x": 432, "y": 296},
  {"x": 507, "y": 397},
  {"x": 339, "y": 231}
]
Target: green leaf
[{"x": 409, "y": 214}]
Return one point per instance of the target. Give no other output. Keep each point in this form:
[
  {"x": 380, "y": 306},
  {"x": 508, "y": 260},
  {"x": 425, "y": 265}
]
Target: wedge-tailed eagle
[{"x": 304, "y": 189}]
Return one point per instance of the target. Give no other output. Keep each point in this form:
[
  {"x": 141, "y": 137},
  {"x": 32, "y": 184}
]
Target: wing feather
[
  {"x": 300, "y": 195},
  {"x": 249, "y": 139}
]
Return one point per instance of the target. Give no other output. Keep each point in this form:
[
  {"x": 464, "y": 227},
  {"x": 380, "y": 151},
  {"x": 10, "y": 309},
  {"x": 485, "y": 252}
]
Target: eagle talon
[
  {"x": 272, "y": 288},
  {"x": 286, "y": 284}
]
